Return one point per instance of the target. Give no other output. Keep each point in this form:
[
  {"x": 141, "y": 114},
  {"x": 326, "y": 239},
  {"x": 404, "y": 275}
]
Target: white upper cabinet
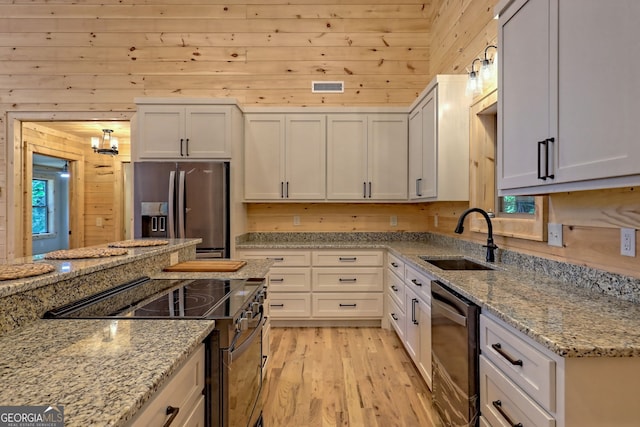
[
  {"x": 568, "y": 110},
  {"x": 367, "y": 156},
  {"x": 439, "y": 141},
  {"x": 184, "y": 132},
  {"x": 285, "y": 156}
]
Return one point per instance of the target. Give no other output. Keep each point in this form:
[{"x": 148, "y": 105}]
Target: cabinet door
[
  {"x": 526, "y": 35},
  {"x": 424, "y": 323},
  {"x": 598, "y": 107},
  {"x": 347, "y": 156},
  {"x": 422, "y": 149},
  {"x": 264, "y": 156},
  {"x": 387, "y": 156},
  {"x": 208, "y": 131},
  {"x": 161, "y": 129},
  {"x": 429, "y": 154},
  {"x": 415, "y": 152},
  {"x": 412, "y": 325},
  {"x": 305, "y": 157}
]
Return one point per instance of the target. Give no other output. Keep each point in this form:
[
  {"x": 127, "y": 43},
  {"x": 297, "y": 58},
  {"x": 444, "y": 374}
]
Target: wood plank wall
[{"x": 91, "y": 55}]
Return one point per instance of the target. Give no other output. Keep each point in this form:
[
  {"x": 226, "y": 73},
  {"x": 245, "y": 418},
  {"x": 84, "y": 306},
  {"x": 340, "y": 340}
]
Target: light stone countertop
[
  {"x": 101, "y": 377},
  {"x": 571, "y": 317},
  {"x": 68, "y": 269}
]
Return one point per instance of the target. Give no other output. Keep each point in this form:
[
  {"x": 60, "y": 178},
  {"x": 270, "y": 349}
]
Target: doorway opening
[
  {"x": 49, "y": 204},
  {"x": 95, "y": 209}
]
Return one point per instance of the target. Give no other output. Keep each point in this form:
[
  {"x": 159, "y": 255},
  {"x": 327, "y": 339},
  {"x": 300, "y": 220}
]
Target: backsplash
[{"x": 623, "y": 287}]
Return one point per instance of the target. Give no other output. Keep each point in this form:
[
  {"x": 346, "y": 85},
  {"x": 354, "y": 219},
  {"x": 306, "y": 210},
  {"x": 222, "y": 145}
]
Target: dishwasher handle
[{"x": 442, "y": 306}]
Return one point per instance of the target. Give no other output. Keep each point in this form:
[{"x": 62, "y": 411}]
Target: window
[
  {"x": 40, "y": 196},
  {"x": 523, "y": 205},
  {"x": 522, "y": 217}
]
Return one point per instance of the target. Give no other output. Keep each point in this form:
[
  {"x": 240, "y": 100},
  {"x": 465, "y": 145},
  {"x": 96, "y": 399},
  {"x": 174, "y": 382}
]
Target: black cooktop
[{"x": 164, "y": 298}]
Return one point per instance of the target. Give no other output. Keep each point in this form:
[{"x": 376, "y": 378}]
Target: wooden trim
[{"x": 482, "y": 142}]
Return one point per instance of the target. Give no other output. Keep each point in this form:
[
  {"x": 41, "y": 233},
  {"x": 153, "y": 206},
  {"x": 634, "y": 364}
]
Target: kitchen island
[{"x": 101, "y": 371}]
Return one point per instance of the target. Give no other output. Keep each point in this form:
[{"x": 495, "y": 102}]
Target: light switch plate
[
  {"x": 393, "y": 221},
  {"x": 554, "y": 235},
  {"x": 296, "y": 220}
]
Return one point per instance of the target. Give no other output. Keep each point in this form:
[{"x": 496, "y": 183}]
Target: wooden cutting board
[{"x": 207, "y": 265}]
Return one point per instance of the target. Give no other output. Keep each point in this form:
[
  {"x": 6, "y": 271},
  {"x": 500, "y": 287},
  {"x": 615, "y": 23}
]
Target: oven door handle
[
  {"x": 439, "y": 304},
  {"x": 235, "y": 352}
]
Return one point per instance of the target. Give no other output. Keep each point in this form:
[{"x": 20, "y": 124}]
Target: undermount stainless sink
[{"x": 455, "y": 263}]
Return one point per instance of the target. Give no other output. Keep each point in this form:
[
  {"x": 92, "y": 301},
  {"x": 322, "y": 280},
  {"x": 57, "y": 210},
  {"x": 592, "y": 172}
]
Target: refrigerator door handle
[
  {"x": 181, "y": 212},
  {"x": 172, "y": 221}
]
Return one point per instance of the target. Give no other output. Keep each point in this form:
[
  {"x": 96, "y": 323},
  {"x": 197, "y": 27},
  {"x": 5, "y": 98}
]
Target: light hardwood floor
[{"x": 343, "y": 377}]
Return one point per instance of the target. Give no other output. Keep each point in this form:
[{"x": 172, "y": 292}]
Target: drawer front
[
  {"x": 395, "y": 289},
  {"x": 196, "y": 417},
  {"x": 280, "y": 258},
  {"x": 395, "y": 264},
  {"x": 182, "y": 391},
  {"x": 289, "y": 279},
  {"x": 419, "y": 282},
  {"x": 504, "y": 404},
  {"x": 336, "y": 279},
  {"x": 484, "y": 422},
  {"x": 341, "y": 305},
  {"x": 347, "y": 258},
  {"x": 527, "y": 367},
  {"x": 286, "y": 305},
  {"x": 396, "y": 317}
]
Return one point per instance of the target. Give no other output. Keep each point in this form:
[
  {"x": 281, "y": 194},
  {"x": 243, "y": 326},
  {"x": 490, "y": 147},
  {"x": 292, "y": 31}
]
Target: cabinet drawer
[
  {"x": 281, "y": 258},
  {"x": 504, "y": 404},
  {"x": 395, "y": 289},
  {"x": 347, "y": 258},
  {"x": 529, "y": 368},
  {"x": 419, "y": 282},
  {"x": 396, "y": 317},
  {"x": 395, "y": 264},
  {"x": 336, "y": 279},
  {"x": 196, "y": 417},
  {"x": 289, "y": 279},
  {"x": 285, "y": 305},
  {"x": 182, "y": 391},
  {"x": 347, "y": 305}
]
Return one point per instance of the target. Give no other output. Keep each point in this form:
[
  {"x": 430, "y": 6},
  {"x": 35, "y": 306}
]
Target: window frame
[
  {"x": 50, "y": 206},
  {"x": 483, "y": 134}
]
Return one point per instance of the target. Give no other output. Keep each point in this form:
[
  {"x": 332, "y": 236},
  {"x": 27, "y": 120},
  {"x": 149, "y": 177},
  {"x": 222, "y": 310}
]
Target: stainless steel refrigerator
[{"x": 183, "y": 200}]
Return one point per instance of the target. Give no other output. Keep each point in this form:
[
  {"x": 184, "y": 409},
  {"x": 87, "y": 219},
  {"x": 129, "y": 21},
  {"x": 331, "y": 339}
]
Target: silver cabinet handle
[
  {"x": 279, "y": 280},
  {"x": 419, "y": 187},
  {"x": 347, "y": 305},
  {"x": 349, "y": 280},
  {"x": 369, "y": 189},
  {"x": 181, "y": 144},
  {"x": 364, "y": 190},
  {"x": 276, "y": 259},
  {"x": 348, "y": 259},
  {"x": 414, "y": 301},
  {"x": 186, "y": 143}
]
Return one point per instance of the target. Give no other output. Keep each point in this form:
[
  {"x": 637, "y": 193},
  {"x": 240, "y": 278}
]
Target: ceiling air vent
[{"x": 327, "y": 87}]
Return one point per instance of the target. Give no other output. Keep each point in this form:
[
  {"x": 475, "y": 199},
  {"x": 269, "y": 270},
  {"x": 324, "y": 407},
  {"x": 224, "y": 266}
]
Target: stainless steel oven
[
  {"x": 454, "y": 349},
  {"x": 233, "y": 365}
]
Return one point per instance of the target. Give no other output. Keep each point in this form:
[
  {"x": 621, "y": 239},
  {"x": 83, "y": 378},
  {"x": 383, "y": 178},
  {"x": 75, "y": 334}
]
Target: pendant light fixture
[
  {"x": 64, "y": 173},
  {"x": 108, "y": 144}
]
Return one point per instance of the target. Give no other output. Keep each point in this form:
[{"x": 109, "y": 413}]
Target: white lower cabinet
[
  {"x": 182, "y": 391},
  {"x": 323, "y": 284},
  {"x": 521, "y": 381},
  {"x": 409, "y": 311}
]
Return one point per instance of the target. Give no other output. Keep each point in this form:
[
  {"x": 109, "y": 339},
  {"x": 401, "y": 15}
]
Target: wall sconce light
[
  {"x": 106, "y": 145},
  {"x": 489, "y": 66},
  {"x": 474, "y": 83},
  {"x": 64, "y": 173}
]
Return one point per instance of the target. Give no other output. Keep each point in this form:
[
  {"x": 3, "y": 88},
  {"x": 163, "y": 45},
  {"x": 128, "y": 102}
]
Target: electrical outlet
[
  {"x": 99, "y": 222},
  {"x": 554, "y": 235},
  {"x": 393, "y": 221},
  {"x": 435, "y": 221},
  {"x": 296, "y": 220},
  {"x": 628, "y": 242}
]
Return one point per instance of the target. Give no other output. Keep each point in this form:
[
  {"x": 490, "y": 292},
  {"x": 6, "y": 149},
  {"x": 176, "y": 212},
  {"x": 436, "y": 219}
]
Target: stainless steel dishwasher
[{"x": 454, "y": 335}]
